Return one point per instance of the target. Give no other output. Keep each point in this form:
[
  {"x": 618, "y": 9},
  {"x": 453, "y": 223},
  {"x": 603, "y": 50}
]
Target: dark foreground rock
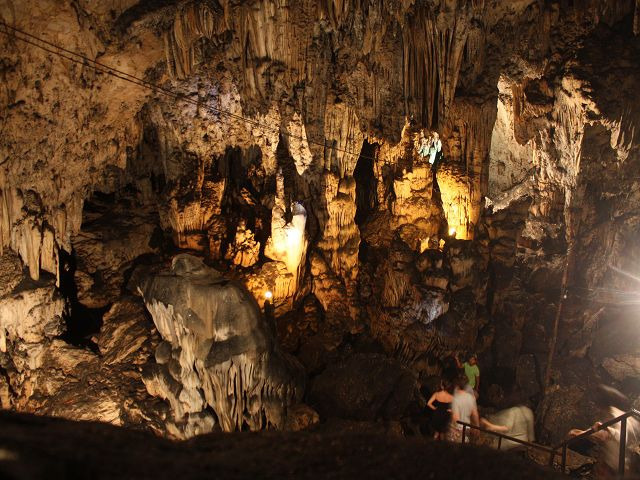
[{"x": 34, "y": 447}]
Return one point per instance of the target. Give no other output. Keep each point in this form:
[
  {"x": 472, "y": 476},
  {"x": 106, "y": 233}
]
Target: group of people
[
  {"x": 429, "y": 146},
  {"x": 456, "y": 401}
]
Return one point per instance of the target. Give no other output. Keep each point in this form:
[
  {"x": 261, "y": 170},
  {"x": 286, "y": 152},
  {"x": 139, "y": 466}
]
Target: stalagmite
[
  {"x": 288, "y": 240},
  {"x": 245, "y": 250},
  {"x": 219, "y": 352}
]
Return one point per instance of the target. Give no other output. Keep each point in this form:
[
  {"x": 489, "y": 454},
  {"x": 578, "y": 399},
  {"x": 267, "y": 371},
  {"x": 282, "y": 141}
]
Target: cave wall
[{"x": 287, "y": 116}]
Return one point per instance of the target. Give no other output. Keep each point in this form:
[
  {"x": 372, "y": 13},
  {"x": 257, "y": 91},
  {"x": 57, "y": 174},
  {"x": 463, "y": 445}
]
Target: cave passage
[
  {"x": 81, "y": 322},
  {"x": 366, "y": 182}
]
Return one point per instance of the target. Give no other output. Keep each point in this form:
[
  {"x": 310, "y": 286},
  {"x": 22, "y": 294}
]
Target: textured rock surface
[
  {"x": 49, "y": 376},
  {"x": 218, "y": 352},
  {"x": 286, "y": 155},
  {"x": 363, "y": 387}
]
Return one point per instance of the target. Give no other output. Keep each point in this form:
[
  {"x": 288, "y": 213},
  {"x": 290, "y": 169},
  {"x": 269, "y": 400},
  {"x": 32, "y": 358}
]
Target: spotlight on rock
[
  {"x": 452, "y": 232},
  {"x": 268, "y": 295}
]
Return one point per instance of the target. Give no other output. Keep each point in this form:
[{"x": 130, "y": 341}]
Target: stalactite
[
  {"x": 267, "y": 32},
  {"x": 434, "y": 49},
  {"x": 462, "y": 176},
  {"x": 298, "y": 144},
  {"x": 192, "y": 22},
  {"x": 343, "y": 139}
]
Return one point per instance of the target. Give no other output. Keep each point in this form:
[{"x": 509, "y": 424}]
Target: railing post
[
  {"x": 552, "y": 457},
  {"x": 499, "y": 442},
  {"x": 464, "y": 432},
  {"x": 563, "y": 465},
  {"x": 623, "y": 447}
]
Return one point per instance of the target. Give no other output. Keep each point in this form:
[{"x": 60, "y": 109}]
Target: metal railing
[
  {"x": 622, "y": 453},
  {"x": 551, "y": 451},
  {"x": 561, "y": 449}
]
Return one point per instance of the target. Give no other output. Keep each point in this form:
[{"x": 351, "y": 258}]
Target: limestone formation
[
  {"x": 218, "y": 352},
  {"x": 279, "y": 141}
]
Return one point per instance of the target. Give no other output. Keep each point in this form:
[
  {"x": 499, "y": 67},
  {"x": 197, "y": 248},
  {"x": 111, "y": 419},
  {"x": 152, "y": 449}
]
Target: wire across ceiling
[{"x": 78, "y": 58}]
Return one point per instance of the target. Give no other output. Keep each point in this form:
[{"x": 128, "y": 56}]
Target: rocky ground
[{"x": 47, "y": 448}]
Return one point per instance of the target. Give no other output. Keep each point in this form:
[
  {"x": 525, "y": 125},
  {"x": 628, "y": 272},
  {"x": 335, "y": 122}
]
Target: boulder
[{"x": 363, "y": 387}]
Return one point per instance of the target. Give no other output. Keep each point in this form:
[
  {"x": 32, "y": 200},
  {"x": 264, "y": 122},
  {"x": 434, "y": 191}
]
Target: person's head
[
  {"x": 473, "y": 359},
  {"x": 446, "y": 385},
  {"x": 461, "y": 382}
]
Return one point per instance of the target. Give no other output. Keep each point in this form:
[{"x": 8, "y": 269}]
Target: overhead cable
[{"x": 50, "y": 47}]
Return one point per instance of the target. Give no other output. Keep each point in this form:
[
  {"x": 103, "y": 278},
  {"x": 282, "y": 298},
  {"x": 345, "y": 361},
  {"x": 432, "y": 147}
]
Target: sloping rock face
[
  {"x": 218, "y": 352},
  {"x": 33, "y": 449},
  {"x": 280, "y": 142},
  {"x": 345, "y": 389},
  {"x": 44, "y": 374}
]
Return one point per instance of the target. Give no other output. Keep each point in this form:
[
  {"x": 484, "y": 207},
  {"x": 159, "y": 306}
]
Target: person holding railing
[
  {"x": 607, "y": 438},
  {"x": 463, "y": 408}
]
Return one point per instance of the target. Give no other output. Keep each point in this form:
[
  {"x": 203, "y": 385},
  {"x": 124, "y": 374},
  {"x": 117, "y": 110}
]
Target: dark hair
[
  {"x": 446, "y": 385},
  {"x": 461, "y": 381}
]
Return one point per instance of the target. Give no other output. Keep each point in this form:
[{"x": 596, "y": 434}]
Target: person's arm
[
  {"x": 574, "y": 432},
  {"x": 454, "y": 417},
  {"x": 477, "y": 389},
  {"x": 457, "y": 359},
  {"x": 484, "y": 423},
  {"x": 430, "y": 402}
]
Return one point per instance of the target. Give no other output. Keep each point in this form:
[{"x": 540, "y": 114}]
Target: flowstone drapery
[{"x": 218, "y": 363}]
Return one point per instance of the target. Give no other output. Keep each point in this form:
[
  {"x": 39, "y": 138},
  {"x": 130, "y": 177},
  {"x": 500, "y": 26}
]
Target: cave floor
[{"x": 33, "y": 447}]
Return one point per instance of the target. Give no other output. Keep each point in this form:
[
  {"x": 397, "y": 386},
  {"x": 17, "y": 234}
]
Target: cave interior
[{"x": 221, "y": 216}]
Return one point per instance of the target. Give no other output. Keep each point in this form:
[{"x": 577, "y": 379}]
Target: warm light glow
[
  {"x": 460, "y": 200},
  {"x": 452, "y": 232},
  {"x": 268, "y": 295},
  {"x": 287, "y": 242}
]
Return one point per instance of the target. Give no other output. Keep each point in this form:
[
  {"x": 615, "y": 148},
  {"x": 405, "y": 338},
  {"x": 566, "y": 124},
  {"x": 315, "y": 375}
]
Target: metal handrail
[
  {"x": 623, "y": 439},
  {"x": 544, "y": 448},
  {"x": 553, "y": 451}
]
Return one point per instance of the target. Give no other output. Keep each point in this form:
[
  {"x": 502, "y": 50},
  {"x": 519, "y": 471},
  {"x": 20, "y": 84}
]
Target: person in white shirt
[{"x": 463, "y": 408}]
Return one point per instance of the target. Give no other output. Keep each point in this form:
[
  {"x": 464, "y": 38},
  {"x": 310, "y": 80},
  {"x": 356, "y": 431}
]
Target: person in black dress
[{"x": 440, "y": 403}]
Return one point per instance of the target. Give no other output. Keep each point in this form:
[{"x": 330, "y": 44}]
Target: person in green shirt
[{"x": 472, "y": 372}]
